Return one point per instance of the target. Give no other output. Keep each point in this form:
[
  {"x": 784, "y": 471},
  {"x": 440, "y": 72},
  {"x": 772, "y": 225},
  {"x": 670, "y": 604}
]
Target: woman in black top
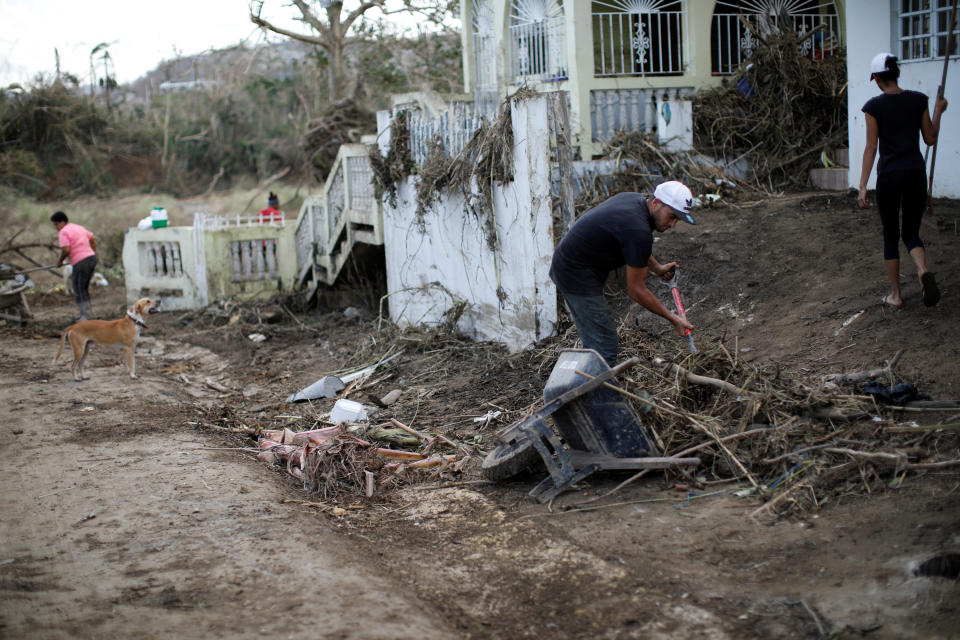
[{"x": 894, "y": 119}]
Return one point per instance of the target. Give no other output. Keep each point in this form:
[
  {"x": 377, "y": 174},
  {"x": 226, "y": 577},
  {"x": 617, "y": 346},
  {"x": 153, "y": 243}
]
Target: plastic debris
[
  {"x": 325, "y": 387},
  {"x": 347, "y": 411}
]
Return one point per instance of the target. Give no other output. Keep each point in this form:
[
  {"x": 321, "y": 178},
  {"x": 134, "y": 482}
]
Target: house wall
[
  {"x": 580, "y": 51},
  {"x": 510, "y": 297},
  {"x": 872, "y": 30}
]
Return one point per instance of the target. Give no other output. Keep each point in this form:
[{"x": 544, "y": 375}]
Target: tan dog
[{"x": 125, "y": 330}]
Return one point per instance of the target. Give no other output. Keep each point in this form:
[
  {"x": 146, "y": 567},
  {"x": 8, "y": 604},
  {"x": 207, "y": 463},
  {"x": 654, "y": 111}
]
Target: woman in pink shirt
[{"x": 80, "y": 246}]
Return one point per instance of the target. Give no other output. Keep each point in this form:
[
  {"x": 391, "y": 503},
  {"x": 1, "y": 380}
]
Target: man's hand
[
  {"x": 665, "y": 271},
  {"x": 681, "y": 324},
  {"x": 862, "y": 198}
]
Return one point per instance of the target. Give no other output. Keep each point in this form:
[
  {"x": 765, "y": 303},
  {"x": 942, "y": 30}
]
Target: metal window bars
[
  {"x": 733, "y": 41},
  {"x": 922, "y": 27},
  {"x": 538, "y": 51},
  {"x": 638, "y": 43}
]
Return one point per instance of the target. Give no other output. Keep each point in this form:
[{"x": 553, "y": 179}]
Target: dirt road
[
  {"x": 120, "y": 521},
  {"x": 124, "y": 516}
]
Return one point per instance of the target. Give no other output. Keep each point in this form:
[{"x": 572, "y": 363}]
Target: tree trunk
[{"x": 335, "y": 39}]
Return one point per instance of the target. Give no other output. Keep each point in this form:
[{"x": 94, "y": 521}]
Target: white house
[
  {"x": 915, "y": 31},
  {"x": 620, "y": 62}
]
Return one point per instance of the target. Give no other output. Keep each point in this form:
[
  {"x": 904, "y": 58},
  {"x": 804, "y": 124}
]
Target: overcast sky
[{"x": 140, "y": 34}]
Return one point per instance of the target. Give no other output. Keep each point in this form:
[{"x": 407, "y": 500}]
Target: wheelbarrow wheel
[{"x": 511, "y": 459}]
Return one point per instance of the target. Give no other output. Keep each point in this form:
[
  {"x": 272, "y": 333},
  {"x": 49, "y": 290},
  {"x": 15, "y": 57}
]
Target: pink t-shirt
[{"x": 78, "y": 239}]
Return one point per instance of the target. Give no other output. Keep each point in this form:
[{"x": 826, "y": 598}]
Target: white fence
[
  {"x": 219, "y": 257},
  {"x": 214, "y": 222},
  {"x": 254, "y": 259},
  {"x": 613, "y": 110},
  {"x": 160, "y": 259},
  {"x": 344, "y": 213},
  {"x": 453, "y": 129}
]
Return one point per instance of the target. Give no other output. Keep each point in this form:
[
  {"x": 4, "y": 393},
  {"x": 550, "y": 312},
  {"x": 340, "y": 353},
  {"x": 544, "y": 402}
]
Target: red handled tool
[{"x": 671, "y": 280}]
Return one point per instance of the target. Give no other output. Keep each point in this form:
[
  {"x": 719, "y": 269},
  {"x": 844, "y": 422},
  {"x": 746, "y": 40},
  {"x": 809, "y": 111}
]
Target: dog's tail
[{"x": 63, "y": 341}]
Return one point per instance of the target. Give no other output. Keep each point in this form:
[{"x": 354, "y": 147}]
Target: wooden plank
[{"x": 561, "y": 128}]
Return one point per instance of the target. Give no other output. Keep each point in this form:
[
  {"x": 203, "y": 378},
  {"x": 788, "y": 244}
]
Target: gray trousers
[{"x": 595, "y": 324}]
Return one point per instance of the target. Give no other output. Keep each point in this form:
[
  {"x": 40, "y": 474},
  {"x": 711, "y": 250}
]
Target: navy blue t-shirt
[
  {"x": 614, "y": 233},
  {"x": 899, "y": 116}
]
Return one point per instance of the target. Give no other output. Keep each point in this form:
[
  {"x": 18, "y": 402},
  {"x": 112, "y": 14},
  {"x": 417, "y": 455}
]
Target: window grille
[
  {"x": 737, "y": 23},
  {"x": 922, "y": 29},
  {"x": 538, "y": 41},
  {"x": 638, "y": 37}
]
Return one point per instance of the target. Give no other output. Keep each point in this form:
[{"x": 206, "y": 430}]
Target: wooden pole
[{"x": 929, "y": 218}]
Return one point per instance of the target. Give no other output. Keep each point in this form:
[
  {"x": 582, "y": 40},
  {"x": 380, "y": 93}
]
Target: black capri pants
[
  {"x": 81, "y": 276},
  {"x": 906, "y": 191}
]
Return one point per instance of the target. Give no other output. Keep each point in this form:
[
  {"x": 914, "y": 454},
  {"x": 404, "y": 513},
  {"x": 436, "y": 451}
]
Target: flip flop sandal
[
  {"x": 931, "y": 294},
  {"x": 885, "y": 301}
]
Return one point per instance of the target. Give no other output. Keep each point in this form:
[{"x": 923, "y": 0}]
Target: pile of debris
[
  {"x": 344, "y": 458},
  {"x": 641, "y": 164},
  {"x": 796, "y": 442},
  {"x": 779, "y": 111},
  {"x": 788, "y": 440}
]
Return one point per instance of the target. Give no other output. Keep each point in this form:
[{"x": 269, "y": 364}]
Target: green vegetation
[{"x": 57, "y": 141}]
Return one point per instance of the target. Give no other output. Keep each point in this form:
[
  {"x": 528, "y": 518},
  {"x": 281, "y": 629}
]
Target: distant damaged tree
[{"x": 332, "y": 34}]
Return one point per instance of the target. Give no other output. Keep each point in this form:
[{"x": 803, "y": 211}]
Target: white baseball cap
[
  {"x": 678, "y": 197},
  {"x": 879, "y": 62}
]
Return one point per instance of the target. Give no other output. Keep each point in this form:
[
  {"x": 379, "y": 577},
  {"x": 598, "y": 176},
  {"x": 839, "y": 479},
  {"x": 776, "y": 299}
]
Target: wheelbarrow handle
[{"x": 25, "y": 271}]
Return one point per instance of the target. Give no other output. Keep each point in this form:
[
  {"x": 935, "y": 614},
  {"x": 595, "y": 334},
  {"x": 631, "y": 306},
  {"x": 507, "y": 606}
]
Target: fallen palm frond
[{"x": 343, "y": 460}]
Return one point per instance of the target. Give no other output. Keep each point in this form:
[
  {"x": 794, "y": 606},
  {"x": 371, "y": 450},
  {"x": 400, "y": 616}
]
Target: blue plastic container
[{"x": 601, "y": 421}]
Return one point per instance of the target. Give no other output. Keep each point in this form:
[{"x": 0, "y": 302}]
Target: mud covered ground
[{"x": 135, "y": 507}]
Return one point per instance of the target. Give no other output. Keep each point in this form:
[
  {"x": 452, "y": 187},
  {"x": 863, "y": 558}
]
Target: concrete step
[{"x": 830, "y": 179}]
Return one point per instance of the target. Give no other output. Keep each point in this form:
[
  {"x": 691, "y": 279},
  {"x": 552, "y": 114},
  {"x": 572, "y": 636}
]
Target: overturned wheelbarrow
[
  {"x": 598, "y": 429},
  {"x": 13, "y": 303}
]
